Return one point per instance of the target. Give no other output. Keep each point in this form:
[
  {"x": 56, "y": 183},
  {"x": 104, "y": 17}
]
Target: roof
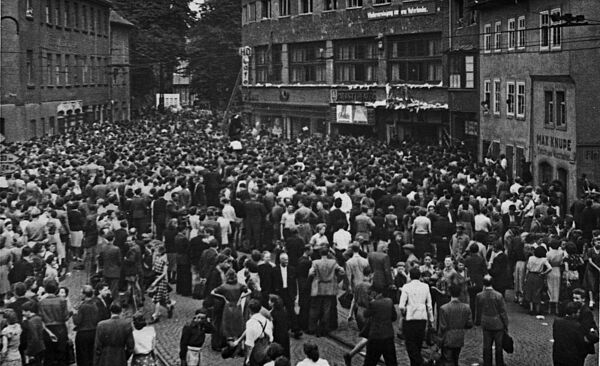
[{"x": 117, "y": 18}]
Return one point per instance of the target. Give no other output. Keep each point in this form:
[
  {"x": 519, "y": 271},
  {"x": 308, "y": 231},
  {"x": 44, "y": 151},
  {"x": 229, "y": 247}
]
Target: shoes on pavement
[
  {"x": 347, "y": 359},
  {"x": 170, "y": 311}
]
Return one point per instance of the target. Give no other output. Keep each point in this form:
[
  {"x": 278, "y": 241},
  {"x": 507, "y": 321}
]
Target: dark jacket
[
  {"x": 87, "y": 317},
  {"x": 17, "y": 306},
  {"x": 138, "y": 207},
  {"x": 53, "y": 310},
  {"x": 255, "y": 211},
  {"x": 103, "y": 308},
  {"x": 208, "y": 260},
  {"x": 266, "y": 272},
  {"x": 33, "y": 329},
  {"x": 20, "y": 271},
  {"x": 476, "y": 268},
  {"x": 454, "y": 318},
  {"x": 291, "y": 280},
  {"x": 382, "y": 271},
  {"x": 114, "y": 342},
  {"x": 499, "y": 272},
  {"x": 490, "y": 310},
  {"x": 281, "y": 329},
  {"x": 569, "y": 347},
  {"x": 159, "y": 211},
  {"x": 294, "y": 247},
  {"x": 382, "y": 315},
  {"x": 110, "y": 260}
]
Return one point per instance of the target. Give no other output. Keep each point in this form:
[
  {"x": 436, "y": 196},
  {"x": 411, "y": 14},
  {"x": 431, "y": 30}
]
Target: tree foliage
[
  {"x": 159, "y": 38},
  {"x": 213, "y": 50}
]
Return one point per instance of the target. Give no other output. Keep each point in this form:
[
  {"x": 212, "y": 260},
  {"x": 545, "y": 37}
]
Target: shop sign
[
  {"x": 557, "y": 147},
  {"x": 409, "y": 10},
  {"x": 591, "y": 155},
  {"x": 352, "y": 96},
  {"x": 383, "y": 14},
  {"x": 250, "y": 97},
  {"x": 351, "y": 114},
  {"x": 471, "y": 128},
  {"x": 245, "y": 70}
]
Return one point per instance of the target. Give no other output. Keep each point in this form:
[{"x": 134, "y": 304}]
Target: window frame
[
  {"x": 30, "y": 67},
  {"x": 310, "y": 8},
  {"x": 511, "y": 102},
  {"x": 467, "y": 72},
  {"x": 368, "y": 47},
  {"x": 287, "y": 12},
  {"x": 487, "y": 95},
  {"x": 406, "y": 51},
  {"x": 57, "y": 70},
  {"x": 498, "y": 36},
  {"x": 266, "y": 9},
  {"x": 381, "y": 2},
  {"x": 57, "y": 13},
  {"x": 308, "y": 62},
  {"x": 521, "y": 33},
  {"x": 549, "y": 118},
  {"x": 48, "y": 10},
  {"x": 49, "y": 69},
  {"x": 544, "y": 28},
  {"x": 497, "y": 96},
  {"x": 511, "y": 34},
  {"x": 521, "y": 100},
  {"x": 67, "y": 14},
  {"x": 67, "y": 70},
  {"x": 354, "y": 4},
  {"x": 560, "y": 109},
  {"x": 330, "y": 5},
  {"x": 487, "y": 38},
  {"x": 555, "y": 29}
]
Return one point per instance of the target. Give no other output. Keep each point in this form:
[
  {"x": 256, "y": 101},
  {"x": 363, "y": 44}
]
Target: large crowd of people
[{"x": 268, "y": 233}]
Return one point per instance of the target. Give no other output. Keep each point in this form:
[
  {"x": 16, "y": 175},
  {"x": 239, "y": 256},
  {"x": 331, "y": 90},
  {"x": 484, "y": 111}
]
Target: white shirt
[
  {"x": 144, "y": 340},
  {"x": 514, "y": 189},
  {"x": 346, "y": 201},
  {"x": 341, "y": 239},
  {"x": 254, "y": 329},
  {"x": 482, "y": 223},
  {"x": 309, "y": 362},
  {"x": 284, "y": 276},
  {"x": 416, "y": 300},
  {"x": 229, "y": 212}
]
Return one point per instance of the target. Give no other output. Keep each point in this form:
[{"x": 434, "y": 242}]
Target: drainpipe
[{"x": 531, "y": 137}]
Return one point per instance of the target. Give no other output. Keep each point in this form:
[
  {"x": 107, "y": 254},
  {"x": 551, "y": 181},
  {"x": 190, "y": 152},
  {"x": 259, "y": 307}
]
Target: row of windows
[
  {"x": 68, "y": 70},
  {"x": 495, "y": 39},
  {"x": 74, "y": 15},
  {"x": 514, "y": 97},
  {"x": 409, "y": 60},
  {"x": 266, "y": 9}
]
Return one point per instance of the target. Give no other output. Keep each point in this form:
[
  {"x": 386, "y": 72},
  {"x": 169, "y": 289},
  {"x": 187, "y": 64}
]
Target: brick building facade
[
  {"x": 55, "y": 66},
  {"x": 360, "y": 67},
  {"x": 120, "y": 87},
  {"x": 538, "y": 84}
]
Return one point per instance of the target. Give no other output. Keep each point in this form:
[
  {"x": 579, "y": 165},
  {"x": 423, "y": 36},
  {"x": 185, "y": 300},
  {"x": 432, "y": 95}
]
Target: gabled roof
[{"x": 116, "y": 18}]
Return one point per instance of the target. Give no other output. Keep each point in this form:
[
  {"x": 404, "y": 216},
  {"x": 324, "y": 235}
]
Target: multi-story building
[
  {"x": 55, "y": 62},
  {"x": 538, "y": 82},
  {"x": 362, "y": 67},
  {"x": 463, "y": 74},
  {"x": 120, "y": 88}
]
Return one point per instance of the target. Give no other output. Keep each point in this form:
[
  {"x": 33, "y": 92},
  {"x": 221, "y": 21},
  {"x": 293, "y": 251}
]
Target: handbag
[
  {"x": 345, "y": 300},
  {"x": 508, "y": 344},
  {"x": 259, "y": 357}
]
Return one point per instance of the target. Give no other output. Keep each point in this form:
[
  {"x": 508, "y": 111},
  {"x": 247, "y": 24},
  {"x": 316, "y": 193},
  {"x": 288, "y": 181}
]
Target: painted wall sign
[
  {"x": 383, "y": 14},
  {"x": 352, "y": 114},
  {"x": 558, "y": 147},
  {"x": 409, "y": 10},
  {"x": 356, "y": 96}
]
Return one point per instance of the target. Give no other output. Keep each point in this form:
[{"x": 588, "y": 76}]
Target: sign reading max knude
[
  {"x": 352, "y": 96},
  {"x": 559, "y": 147}
]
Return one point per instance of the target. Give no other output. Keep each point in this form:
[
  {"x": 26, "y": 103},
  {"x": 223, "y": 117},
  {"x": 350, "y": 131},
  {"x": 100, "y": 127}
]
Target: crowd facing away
[{"x": 269, "y": 235}]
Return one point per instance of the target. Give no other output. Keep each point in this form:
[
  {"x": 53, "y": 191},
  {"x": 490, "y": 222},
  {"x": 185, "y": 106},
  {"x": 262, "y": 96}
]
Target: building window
[
  {"x": 497, "y": 96},
  {"x": 307, "y": 63},
  {"x": 68, "y": 70},
  {"x": 305, "y": 6},
  {"x": 49, "y": 70},
  {"x": 57, "y": 13},
  {"x": 561, "y": 110},
  {"x": 48, "y": 11},
  {"x": 549, "y": 107},
  {"x": 84, "y": 15},
  {"x": 415, "y": 60},
  {"x": 510, "y": 98},
  {"x": 92, "y": 20},
  {"x": 497, "y": 36},
  {"x": 57, "y": 69},
  {"x": 520, "y": 99},
  {"x": 244, "y": 14},
  {"x": 266, "y": 9},
  {"x": 75, "y": 15},
  {"x": 86, "y": 70},
  {"x": 544, "y": 30},
  {"x": 2, "y": 127},
  {"x": 512, "y": 34},
  {"x": 330, "y": 4},
  {"x": 67, "y": 14},
  {"x": 355, "y": 3},
  {"x": 355, "y": 61},
  {"x": 487, "y": 95},
  {"x": 284, "y": 8},
  {"x": 462, "y": 72},
  {"x": 555, "y": 30},
  {"x": 381, "y": 2},
  {"x": 487, "y": 38},
  {"x": 29, "y": 62},
  {"x": 251, "y": 12},
  {"x": 521, "y": 38},
  {"x": 268, "y": 63}
]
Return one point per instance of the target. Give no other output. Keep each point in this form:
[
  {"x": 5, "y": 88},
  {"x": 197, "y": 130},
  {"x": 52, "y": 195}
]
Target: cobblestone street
[{"x": 532, "y": 336}]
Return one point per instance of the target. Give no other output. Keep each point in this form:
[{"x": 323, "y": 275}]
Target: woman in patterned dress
[
  {"x": 144, "y": 337},
  {"x": 161, "y": 295}
]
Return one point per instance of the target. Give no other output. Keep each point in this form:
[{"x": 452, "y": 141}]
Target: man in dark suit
[
  {"x": 121, "y": 235},
  {"x": 138, "y": 208},
  {"x": 266, "y": 273},
  {"x": 336, "y": 218},
  {"x": 109, "y": 261},
  {"x": 570, "y": 347},
  {"x": 302, "y": 269},
  {"x": 491, "y": 315},
  {"x": 284, "y": 285},
  {"x": 159, "y": 214},
  {"x": 20, "y": 299},
  {"x": 294, "y": 247},
  {"x": 54, "y": 313},
  {"x": 586, "y": 319},
  {"x": 454, "y": 318},
  {"x": 102, "y": 300},
  {"x": 86, "y": 320},
  {"x": 208, "y": 261},
  {"x": 199, "y": 193},
  {"x": 380, "y": 340},
  {"x": 382, "y": 270},
  {"x": 114, "y": 340},
  {"x": 511, "y": 218},
  {"x": 255, "y": 215}
]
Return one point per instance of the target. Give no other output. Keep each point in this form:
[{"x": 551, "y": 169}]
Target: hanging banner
[
  {"x": 352, "y": 114},
  {"x": 245, "y": 70}
]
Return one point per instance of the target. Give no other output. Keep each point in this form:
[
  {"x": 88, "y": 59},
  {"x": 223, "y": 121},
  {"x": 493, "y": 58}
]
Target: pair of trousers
[
  {"x": 414, "y": 334},
  {"x": 303, "y": 303},
  {"x": 84, "y": 347},
  {"x": 320, "y": 313},
  {"x": 253, "y": 231},
  {"x": 450, "y": 356},
  {"x": 492, "y": 337},
  {"x": 113, "y": 284},
  {"x": 378, "y": 347},
  {"x": 289, "y": 301}
]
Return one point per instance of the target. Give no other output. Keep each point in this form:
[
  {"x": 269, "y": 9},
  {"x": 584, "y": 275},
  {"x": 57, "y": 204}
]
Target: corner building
[
  {"x": 351, "y": 67},
  {"x": 538, "y": 80}
]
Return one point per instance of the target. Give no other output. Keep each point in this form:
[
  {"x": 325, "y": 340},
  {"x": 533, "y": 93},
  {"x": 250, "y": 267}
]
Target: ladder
[{"x": 234, "y": 102}]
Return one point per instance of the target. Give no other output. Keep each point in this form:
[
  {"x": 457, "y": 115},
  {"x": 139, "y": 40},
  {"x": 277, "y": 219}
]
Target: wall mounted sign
[
  {"x": 284, "y": 95},
  {"x": 383, "y": 14},
  {"x": 558, "y": 147},
  {"x": 409, "y": 10},
  {"x": 352, "y": 96},
  {"x": 351, "y": 114},
  {"x": 471, "y": 128},
  {"x": 245, "y": 70}
]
